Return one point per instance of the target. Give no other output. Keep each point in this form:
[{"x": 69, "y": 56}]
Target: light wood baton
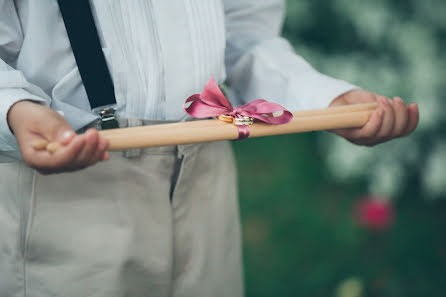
[{"x": 348, "y": 116}]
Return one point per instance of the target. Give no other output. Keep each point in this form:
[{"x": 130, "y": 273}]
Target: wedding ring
[
  {"x": 226, "y": 118},
  {"x": 244, "y": 121}
]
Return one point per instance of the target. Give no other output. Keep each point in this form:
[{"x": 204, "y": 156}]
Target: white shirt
[{"x": 159, "y": 53}]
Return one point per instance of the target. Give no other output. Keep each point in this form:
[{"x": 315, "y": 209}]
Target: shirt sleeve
[
  {"x": 14, "y": 86},
  {"x": 261, "y": 64}
]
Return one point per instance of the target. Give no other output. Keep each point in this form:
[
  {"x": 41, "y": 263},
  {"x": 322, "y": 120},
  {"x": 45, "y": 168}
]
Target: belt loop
[
  {"x": 180, "y": 151},
  {"x": 133, "y": 153}
]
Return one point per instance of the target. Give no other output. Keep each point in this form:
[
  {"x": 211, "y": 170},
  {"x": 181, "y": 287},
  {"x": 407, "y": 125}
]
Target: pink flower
[{"x": 375, "y": 213}]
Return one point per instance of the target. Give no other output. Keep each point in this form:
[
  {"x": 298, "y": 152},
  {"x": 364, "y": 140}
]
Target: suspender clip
[{"x": 108, "y": 119}]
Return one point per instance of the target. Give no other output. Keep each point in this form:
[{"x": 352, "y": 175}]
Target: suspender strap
[{"x": 87, "y": 50}]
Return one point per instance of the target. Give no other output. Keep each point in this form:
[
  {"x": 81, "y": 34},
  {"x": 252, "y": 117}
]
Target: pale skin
[
  {"x": 392, "y": 119},
  {"x": 32, "y": 122}
]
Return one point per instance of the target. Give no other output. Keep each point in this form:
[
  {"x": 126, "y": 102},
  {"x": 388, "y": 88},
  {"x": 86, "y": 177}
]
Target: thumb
[
  {"x": 57, "y": 129},
  {"x": 61, "y": 136}
]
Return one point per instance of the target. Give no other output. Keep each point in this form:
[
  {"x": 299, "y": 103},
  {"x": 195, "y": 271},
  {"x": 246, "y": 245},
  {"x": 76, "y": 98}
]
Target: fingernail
[
  {"x": 39, "y": 145},
  {"x": 52, "y": 147},
  {"x": 67, "y": 135},
  {"x": 398, "y": 99}
]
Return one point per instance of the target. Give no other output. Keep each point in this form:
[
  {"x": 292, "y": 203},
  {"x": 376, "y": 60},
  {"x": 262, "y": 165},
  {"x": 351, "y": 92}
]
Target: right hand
[{"x": 32, "y": 122}]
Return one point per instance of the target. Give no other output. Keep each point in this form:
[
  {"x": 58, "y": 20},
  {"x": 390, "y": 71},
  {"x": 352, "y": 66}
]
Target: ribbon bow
[{"x": 213, "y": 103}]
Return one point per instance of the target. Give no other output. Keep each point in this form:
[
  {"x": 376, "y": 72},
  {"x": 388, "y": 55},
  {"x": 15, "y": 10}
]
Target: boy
[{"x": 163, "y": 222}]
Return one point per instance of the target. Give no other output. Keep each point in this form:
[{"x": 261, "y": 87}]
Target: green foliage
[
  {"x": 393, "y": 48},
  {"x": 299, "y": 235},
  {"x": 300, "y": 238}
]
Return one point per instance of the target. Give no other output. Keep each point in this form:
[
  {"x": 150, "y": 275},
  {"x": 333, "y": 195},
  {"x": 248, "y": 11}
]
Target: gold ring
[{"x": 226, "y": 118}]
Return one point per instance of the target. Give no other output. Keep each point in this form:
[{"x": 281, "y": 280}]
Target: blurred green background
[{"x": 300, "y": 236}]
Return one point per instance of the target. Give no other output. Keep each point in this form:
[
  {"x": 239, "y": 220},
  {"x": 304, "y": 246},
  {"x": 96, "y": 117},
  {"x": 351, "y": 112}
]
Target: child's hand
[
  {"x": 33, "y": 122},
  {"x": 392, "y": 118}
]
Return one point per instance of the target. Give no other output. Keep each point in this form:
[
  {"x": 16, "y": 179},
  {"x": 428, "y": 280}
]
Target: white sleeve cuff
[{"x": 9, "y": 97}]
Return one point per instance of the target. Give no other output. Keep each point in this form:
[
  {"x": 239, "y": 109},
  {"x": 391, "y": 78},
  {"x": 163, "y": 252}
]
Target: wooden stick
[
  {"x": 216, "y": 130},
  {"x": 349, "y": 116},
  {"x": 302, "y": 113}
]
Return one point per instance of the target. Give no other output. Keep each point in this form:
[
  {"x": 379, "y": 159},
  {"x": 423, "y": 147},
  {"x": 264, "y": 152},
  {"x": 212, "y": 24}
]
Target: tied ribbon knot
[{"x": 213, "y": 103}]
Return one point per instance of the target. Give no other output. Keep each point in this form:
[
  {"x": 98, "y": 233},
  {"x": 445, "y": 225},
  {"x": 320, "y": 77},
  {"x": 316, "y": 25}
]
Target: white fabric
[{"x": 159, "y": 53}]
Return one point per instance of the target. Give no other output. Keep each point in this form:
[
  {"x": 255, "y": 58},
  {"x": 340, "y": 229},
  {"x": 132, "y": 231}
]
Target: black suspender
[{"x": 90, "y": 59}]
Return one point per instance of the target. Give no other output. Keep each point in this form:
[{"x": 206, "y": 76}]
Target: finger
[
  {"x": 385, "y": 132},
  {"x": 34, "y": 149},
  {"x": 40, "y": 144},
  {"x": 31, "y": 145},
  {"x": 60, "y": 161},
  {"x": 101, "y": 149},
  {"x": 106, "y": 156},
  {"x": 53, "y": 146},
  {"x": 413, "y": 118},
  {"x": 85, "y": 157},
  {"x": 66, "y": 135},
  {"x": 369, "y": 130},
  {"x": 65, "y": 158},
  {"x": 401, "y": 117}
]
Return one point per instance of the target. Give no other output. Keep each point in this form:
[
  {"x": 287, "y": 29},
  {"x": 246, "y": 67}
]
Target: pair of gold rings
[{"x": 243, "y": 121}]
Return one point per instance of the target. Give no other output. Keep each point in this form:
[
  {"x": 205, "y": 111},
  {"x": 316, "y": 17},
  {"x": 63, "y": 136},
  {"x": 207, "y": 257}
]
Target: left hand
[{"x": 392, "y": 118}]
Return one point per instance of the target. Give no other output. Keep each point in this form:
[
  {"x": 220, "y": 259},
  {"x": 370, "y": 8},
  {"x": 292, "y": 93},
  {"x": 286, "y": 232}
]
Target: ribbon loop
[{"x": 213, "y": 103}]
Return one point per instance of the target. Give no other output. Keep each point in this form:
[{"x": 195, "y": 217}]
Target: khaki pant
[{"x": 163, "y": 224}]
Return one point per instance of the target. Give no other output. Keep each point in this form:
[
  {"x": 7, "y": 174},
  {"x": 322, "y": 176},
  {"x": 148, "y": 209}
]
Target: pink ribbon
[{"x": 212, "y": 103}]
